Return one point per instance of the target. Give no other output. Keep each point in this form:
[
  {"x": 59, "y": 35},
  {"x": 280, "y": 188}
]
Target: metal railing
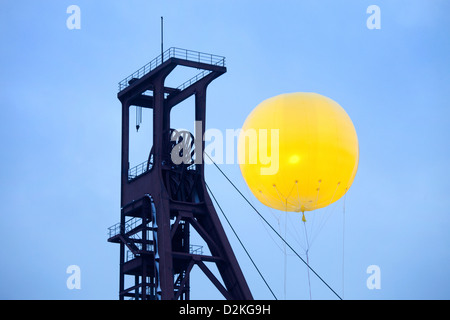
[
  {"x": 195, "y": 249},
  {"x": 141, "y": 168},
  {"x": 130, "y": 224},
  {"x": 133, "y": 223},
  {"x": 172, "y": 52},
  {"x": 114, "y": 230},
  {"x": 194, "y": 79}
]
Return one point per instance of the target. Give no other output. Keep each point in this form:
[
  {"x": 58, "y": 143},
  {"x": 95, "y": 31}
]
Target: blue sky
[{"x": 60, "y": 138}]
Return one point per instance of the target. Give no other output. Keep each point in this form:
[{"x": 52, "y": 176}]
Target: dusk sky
[{"x": 60, "y": 138}]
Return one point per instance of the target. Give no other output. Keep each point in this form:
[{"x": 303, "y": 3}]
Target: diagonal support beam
[
  {"x": 175, "y": 226},
  {"x": 202, "y": 232},
  {"x": 214, "y": 280},
  {"x": 186, "y": 277},
  {"x": 129, "y": 243}
]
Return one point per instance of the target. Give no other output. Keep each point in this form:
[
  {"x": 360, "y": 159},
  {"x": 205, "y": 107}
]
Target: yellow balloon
[{"x": 298, "y": 152}]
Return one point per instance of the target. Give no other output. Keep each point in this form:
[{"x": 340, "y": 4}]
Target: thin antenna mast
[{"x": 162, "y": 39}]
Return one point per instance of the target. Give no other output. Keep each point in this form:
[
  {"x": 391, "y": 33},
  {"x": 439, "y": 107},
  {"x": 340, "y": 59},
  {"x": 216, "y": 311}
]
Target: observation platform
[{"x": 211, "y": 65}]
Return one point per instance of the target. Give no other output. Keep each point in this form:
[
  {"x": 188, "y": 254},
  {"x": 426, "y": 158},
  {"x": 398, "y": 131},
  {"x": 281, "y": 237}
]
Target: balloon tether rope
[{"x": 273, "y": 229}]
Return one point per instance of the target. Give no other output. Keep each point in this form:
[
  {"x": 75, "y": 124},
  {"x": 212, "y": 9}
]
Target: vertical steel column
[
  {"x": 162, "y": 202},
  {"x": 124, "y": 179},
  {"x": 200, "y": 117},
  {"x": 125, "y": 164}
]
